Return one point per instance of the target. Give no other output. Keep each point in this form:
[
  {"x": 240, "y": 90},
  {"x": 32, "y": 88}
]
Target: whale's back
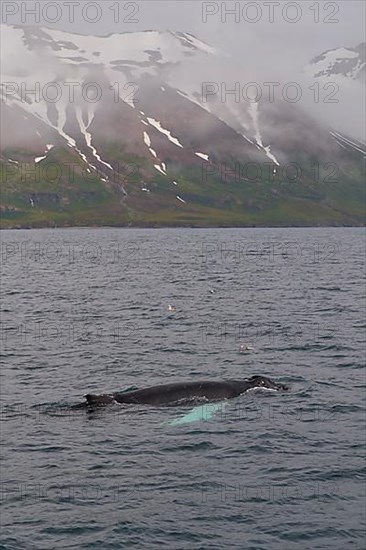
[{"x": 185, "y": 391}]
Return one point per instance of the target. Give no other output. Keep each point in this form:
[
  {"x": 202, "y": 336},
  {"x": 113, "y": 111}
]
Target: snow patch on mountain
[
  {"x": 253, "y": 110},
  {"x": 132, "y": 50},
  {"x": 160, "y": 169},
  {"x": 343, "y": 141},
  {"x": 147, "y": 139},
  {"x": 339, "y": 62},
  {"x": 88, "y": 136},
  {"x": 202, "y": 156},
  {"x": 38, "y": 159},
  {"x": 192, "y": 96},
  {"x": 147, "y": 142},
  {"x": 162, "y": 130},
  {"x": 195, "y": 43}
]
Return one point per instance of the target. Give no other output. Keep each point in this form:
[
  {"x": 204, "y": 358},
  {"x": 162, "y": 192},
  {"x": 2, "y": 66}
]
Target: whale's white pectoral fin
[{"x": 201, "y": 413}]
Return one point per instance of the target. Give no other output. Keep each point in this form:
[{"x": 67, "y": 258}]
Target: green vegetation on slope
[{"x": 62, "y": 191}]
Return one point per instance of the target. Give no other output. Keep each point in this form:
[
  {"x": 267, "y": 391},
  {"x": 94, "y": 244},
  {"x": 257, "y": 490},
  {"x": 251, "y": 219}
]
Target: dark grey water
[{"x": 87, "y": 310}]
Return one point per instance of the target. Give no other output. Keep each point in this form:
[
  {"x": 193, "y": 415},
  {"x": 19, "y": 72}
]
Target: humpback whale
[{"x": 179, "y": 392}]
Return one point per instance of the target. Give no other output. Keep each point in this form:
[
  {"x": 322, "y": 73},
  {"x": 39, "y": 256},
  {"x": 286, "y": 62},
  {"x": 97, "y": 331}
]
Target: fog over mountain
[
  {"x": 182, "y": 104},
  {"x": 260, "y": 42}
]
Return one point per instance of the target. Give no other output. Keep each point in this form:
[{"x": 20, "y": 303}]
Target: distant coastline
[{"x": 181, "y": 226}]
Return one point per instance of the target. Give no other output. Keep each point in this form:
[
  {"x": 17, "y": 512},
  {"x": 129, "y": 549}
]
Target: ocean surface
[{"x": 86, "y": 310}]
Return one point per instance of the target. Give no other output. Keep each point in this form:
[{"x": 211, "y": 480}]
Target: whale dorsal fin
[{"x": 99, "y": 400}]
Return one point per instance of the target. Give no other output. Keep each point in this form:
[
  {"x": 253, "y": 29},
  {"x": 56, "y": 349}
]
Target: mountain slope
[
  {"x": 344, "y": 62},
  {"x": 96, "y": 130}
]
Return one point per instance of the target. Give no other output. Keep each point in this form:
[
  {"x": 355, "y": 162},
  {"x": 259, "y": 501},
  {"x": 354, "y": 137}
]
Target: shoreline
[{"x": 148, "y": 226}]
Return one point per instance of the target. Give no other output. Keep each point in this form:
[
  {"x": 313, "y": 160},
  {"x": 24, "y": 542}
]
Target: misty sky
[
  {"x": 268, "y": 48},
  {"x": 277, "y": 42}
]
